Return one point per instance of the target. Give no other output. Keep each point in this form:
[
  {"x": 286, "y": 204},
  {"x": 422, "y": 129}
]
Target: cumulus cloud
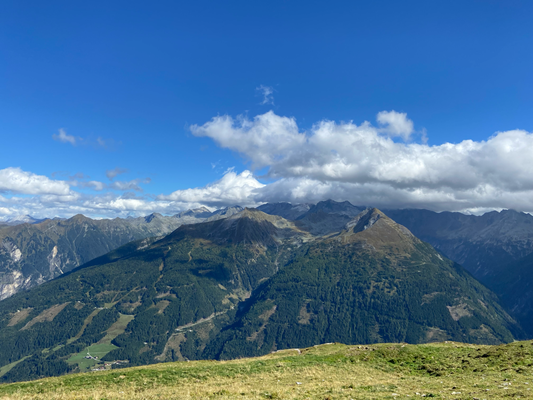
[
  {"x": 362, "y": 163},
  {"x": 112, "y": 173},
  {"x": 15, "y": 180},
  {"x": 107, "y": 205},
  {"x": 40, "y": 196},
  {"x": 268, "y": 94},
  {"x": 263, "y": 140},
  {"x": 396, "y": 124},
  {"x": 343, "y": 161},
  {"x": 64, "y": 138},
  {"x": 230, "y": 190}
]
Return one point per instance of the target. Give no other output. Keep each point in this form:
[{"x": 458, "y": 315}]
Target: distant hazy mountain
[
  {"x": 34, "y": 252},
  {"x": 335, "y": 207},
  {"x": 247, "y": 285},
  {"x": 319, "y": 219},
  {"x": 285, "y": 210},
  {"x": 193, "y": 216},
  {"x": 328, "y": 216},
  {"x": 497, "y": 248},
  {"x": 479, "y": 243},
  {"x": 224, "y": 213},
  {"x": 21, "y": 219}
]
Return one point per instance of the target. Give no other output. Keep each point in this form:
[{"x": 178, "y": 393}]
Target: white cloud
[
  {"x": 358, "y": 163},
  {"x": 268, "y": 94},
  {"x": 64, "y": 138},
  {"x": 396, "y": 124},
  {"x": 99, "y": 142},
  {"x": 343, "y": 161},
  {"x": 112, "y": 173},
  {"x": 96, "y": 185},
  {"x": 131, "y": 185},
  {"x": 263, "y": 140},
  {"x": 231, "y": 189},
  {"x": 107, "y": 205},
  {"x": 116, "y": 185},
  {"x": 15, "y": 180}
]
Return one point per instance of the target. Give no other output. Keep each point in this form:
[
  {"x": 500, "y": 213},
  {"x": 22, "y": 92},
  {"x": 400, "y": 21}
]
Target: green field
[
  {"x": 8, "y": 367},
  {"x": 96, "y": 350},
  {"x": 332, "y": 371},
  {"x": 117, "y": 328},
  {"x": 101, "y": 348}
]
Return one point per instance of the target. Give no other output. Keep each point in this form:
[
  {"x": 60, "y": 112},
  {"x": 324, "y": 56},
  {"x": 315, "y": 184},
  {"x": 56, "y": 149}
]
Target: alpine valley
[
  {"x": 240, "y": 282},
  {"x": 35, "y": 251}
]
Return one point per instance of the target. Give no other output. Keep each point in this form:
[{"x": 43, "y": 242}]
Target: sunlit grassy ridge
[{"x": 333, "y": 371}]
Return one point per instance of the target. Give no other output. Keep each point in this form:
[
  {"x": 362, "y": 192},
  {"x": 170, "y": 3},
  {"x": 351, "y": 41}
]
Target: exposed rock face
[
  {"x": 12, "y": 250},
  {"x": 33, "y": 253},
  {"x": 11, "y": 282}
]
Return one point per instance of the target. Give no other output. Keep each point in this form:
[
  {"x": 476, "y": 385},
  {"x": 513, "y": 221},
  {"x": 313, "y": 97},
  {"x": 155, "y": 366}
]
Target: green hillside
[
  {"x": 365, "y": 286},
  {"x": 332, "y": 371},
  {"x": 245, "y": 286},
  {"x": 31, "y": 254}
]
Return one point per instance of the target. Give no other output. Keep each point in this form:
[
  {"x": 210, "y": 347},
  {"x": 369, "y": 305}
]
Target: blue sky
[{"x": 88, "y": 88}]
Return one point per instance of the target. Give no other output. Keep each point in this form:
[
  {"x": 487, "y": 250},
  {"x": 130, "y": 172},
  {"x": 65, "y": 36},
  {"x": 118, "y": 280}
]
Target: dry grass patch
[
  {"x": 46, "y": 315},
  {"x": 19, "y": 316}
]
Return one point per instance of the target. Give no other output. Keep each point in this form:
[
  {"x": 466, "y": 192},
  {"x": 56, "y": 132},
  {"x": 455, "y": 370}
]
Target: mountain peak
[
  {"x": 375, "y": 228},
  {"x": 364, "y": 220},
  {"x": 150, "y": 217},
  {"x": 249, "y": 226},
  {"x": 79, "y": 218},
  {"x": 200, "y": 212},
  {"x": 335, "y": 207}
]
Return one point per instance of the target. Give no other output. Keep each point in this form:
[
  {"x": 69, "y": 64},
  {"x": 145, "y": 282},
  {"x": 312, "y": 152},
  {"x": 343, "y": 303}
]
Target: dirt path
[{"x": 201, "y": 320}]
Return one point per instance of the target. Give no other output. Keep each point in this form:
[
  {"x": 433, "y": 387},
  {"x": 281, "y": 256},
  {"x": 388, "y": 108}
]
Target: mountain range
[
  {"x": 248, "y": 283},
  {"x": 496, "y": 247},
  {"x": 34, "y": 252}
]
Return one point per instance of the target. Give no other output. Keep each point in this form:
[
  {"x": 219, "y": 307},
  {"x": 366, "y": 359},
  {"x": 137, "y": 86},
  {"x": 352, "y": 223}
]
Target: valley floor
[{"x": 331, "y": 371}]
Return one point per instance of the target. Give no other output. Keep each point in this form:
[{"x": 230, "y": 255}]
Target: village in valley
[{"x": 106, "y": 365}]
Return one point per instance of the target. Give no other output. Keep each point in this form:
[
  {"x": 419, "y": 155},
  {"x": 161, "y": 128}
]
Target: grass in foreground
[{"x": 334, "y": 371}]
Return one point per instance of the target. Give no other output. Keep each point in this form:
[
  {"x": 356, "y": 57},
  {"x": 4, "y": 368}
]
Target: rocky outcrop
[{"x": 32, "y": 253}]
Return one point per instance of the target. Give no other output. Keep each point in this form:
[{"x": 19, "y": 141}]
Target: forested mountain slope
[
  {"x": 31, "y": 254},
  {"x": 513, "y": 282},
  {"x": 373, "y": 282},
  {"x": 246, "y": 285}
]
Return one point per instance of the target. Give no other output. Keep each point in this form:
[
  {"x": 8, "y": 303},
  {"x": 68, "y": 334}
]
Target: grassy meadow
[{"x": 446, "y": 370}]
